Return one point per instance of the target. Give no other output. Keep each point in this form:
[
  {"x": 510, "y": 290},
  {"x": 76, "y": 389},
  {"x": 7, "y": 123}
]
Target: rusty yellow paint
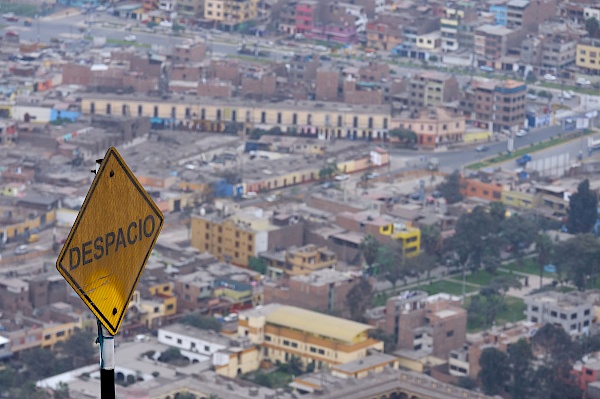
[{"x": 110, "y": 241}]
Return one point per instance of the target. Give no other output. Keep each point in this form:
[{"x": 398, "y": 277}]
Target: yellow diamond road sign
[{"x": 110, "y": 242}]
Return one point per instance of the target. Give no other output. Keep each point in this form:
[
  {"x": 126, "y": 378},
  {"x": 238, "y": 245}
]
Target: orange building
[{"x": 476, "y": 188}]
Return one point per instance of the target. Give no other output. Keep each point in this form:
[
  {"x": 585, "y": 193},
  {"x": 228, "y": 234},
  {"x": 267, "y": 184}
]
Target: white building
[{"x": 194, "y": 343}]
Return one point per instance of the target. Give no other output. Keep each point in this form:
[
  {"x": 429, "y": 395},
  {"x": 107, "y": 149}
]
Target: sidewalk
[{"x": 69, "y": 12}]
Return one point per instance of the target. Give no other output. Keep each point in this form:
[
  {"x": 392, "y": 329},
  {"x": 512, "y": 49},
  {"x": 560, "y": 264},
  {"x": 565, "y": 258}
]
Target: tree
[
  {"x": 494, "y": 372},
  {"x": 203, "y": 322},
  {"x": 578, "y": 259},
  {"x": 467, "y": 383},
  {"x": 498, "y": 211},
  {"x": 7, "y": 379},
  {"x": 520, "y": 356},
  {"x": 328, "y": 170},
  {"x": 531, "y": 77},
  {"x": 295, "y": 365},
  {"x": 170, "y": 355},
  {"x": 359, "y": 299},
  {"x": 583, "y": 209},
  {"x": 405, "y": 135},
  {"x": 430, "y": 239},
  {"x": 258, "y": 265},
  {"x": 369, "y": 247},
  {"x": 389, "y": 341},
  {"x": 476, "y": 238},
  {"x": 501, "y": 284},
  {"x": 391, "y": 262},
  {"x": 519, "y": 233},
  {"x": 41, "y": 363},
  {"x": 593, "y": 27},
  {"x": 544, "y": 248},
  {"x": 450, "y": 188},
  {"x": 484, "y": 308},
  {"x": 79, "y": 348}
]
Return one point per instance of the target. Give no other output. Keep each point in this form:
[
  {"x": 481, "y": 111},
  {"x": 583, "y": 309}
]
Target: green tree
[
  {"x": 79, "y": 348},
  {"x": 7, "y": 379},
  {"x": 389, "y": 341},
  {"x": 531, "y": 78},
  {"x": 369, "y": 248},
  {"x": 484, "y": 308},
  {"x": 391, "y": 262},
  {"x": 328, "y": 171},
  {"x": 295, "y": 365},
  {"x": 495, "y": 371},
  {"x": 170, "y": 355},
  {"x": 544, "y": 246},
  {"x": 41, "y": 363},
  {"x": 501, "y": 284},
  {"x": 450, "y": 188},
  {"x": 405, "y": 135},
  {"x": 62, "y": 391},
  {"x": 583, "y": 209},
  {"x": 498, "y": 211},
  {"x": 592, "y": 27},
  {"x": 476, "y": 238},
  {"x": 520, "y": 357},
  {"x": 258, "y": 265},
  {"x": 430, "y": 239},
  {"x": 203, "y": 322},
  {"x": 467, "y": 383},
  {"x": 578, "y": 259},
  {"x": 359, "y": 299},
  {"x": 519, "y": 232}
]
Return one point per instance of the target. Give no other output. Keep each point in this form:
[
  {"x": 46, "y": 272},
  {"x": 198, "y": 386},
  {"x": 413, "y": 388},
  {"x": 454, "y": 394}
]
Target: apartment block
[
  {"x": 434, "y": 126},
  {"x": 588, "y": 56},
  {"x": 437, "y": 327},
  {"x": 238, "y": 237},
  {"x": 527, "y": 15},
  {"x": 189, "y": 53},
  {"x": 432, "y": 88},
  {"x": 451, "y": 24},
  {"x": 322, "y": 290},
  {"x": 230, "y": 12},
  {"x": 319, "y": 339},
  {"x": 551, "y": 52},
  {"x": 191, "y": 8},
  {"x": 306, "y": 15},
  {"x": 493, "y": 41},
  {"x": 573, "y": 311},
  {"x": 383, "y": 35},
  {"x": 14, "y": 296},
  {"x": 46, "y": 289},
  {"x": 299, "y": 260}
]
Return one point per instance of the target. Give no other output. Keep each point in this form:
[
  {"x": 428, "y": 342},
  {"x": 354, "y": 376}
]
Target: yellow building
[
  {"x": 152, "y": 310},
  {"x": 230, "y": 11},
  {"x": 27, "y": 224},
  {"x": 323, "y": 120},
  {"x": 429, "y": 41},
  {"x": 588, "y": 56},
  {"x": 319, "y": 339},
  {"x": 409, "y": 237},
  {"x": 54, "y": 333},
  {"x": 519, "y": 199},
  {"x": 237, "y": 362}
]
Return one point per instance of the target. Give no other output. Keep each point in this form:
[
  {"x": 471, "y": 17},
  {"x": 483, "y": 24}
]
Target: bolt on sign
[{"x": 110, "y": 241}]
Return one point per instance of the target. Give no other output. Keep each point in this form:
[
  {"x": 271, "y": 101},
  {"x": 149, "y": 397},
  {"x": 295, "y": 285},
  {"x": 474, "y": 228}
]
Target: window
[
  {"x": 47, "y": 337},
  {"x": 124, "y": 110},
  {"x": 573, "y": 316},
  {"x": 202, "y": 114},
  {"x": 535, "y": 309},
  {"x": 92, "y": 108},
  {"x": 339, "y": 121},
  {"x": 370, "y": 122},
  {"x": 450, "y": 333},
  {"x": 173, "y": 112},
  {"x": 279, "y": 118},
  {"x": 188, "y": 112},
  {"x": 563, "y": 316},
  {"x": 589, "y": 372},
  {"x": 321, "y": 352},
  {"x": 294, "y": 119},
  {"x": 573, "y": 326},
  {"x": 179, "y": 340},
  {"x": 294, "y": 345},
  {"x": 263, "y": 117},
  {"x": 155, "y": 113},
  {"x": 586, "y": 312},
  {"x": 534, "y": 319},
  {"x": 218, "y": 114},
  {"x": 586, "y": 323},
  {"x": 355, "y": 121},
  {"x": 234, "y": 115},
  {"x": 286, "y": 342},
  {"x": 170, "y": 306},
  {"x": 60, "y": 334},
  {"x": 313, "y": 349},
  {"x": 309, "y": 119},
  {"x": 385, "y": 123},
  {"x": 267, "y": 338},
  {"x": 107, "y": 109},
  {"x": 206, "y": 348},
  {"x": 553, "y": 314}
]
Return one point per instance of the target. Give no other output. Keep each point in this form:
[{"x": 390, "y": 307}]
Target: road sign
[{"x": 110, "y": 242}]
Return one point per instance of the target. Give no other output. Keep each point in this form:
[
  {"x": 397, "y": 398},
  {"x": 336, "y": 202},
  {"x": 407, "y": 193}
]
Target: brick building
[
  {"x": 417, "y": 324},
  {"x": 215, "y": 88},
  {"x": 327, "y": 87},
  {"x": 323, "y": 290},
  {"x": 184, "y": 53},
  {"x": 432, "y": 88}
]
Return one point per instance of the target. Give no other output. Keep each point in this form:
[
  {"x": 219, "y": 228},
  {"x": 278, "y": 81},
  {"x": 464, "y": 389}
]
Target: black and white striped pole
[{"x": 107, "y": 362}]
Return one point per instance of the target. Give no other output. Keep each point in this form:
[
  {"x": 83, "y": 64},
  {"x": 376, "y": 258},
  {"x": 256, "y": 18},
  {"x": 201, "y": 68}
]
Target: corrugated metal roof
[{"x": 317, "y": 323}]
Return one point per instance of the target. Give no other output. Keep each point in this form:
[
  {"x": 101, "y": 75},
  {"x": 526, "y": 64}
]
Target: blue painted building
[
  {"x": 63, "y": 114},
  {"x": 500, "y": 14}
]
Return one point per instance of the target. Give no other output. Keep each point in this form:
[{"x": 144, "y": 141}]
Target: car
[
  {"x": 481, "y": 148},
  {"x": 249, "y": 195},
  {"x": 437, "y": 194},
  {"x": 521, "y": 133},
  {"x": 101, "y": 8},
  {"x": 327, "y": 185},
  {"x": 415, "y": 196},
  {"x": 583, "y": 82},
  {"x": 549, "y": 77},
  {"x": 566, "y": 95},
  {"x": 130, "y": 38},
  {"x": 486, "y": 68},
  {"x": 21, "y": 250},
  {"x": 373, "y": 175},
  {"x": 342, "y": 177},
  {"x": 531, "y": 96}
]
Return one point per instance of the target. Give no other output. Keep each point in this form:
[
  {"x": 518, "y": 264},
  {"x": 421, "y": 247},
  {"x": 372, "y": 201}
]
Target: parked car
[
  {"x": 342, "y": 177},
  {"x": 549, "y": 77},
  {"x": 21, "y": 250},
  {"x": 130, "y": 38},
  {"x": 481, "y": 148},
  {"x": 583, "y": 81},
  {"x": 521, "y": 133}
]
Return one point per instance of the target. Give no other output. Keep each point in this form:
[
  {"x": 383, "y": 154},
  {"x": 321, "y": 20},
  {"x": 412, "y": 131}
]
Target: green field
[
  {"x": 513, "y": 312},
  {"x": 573, "y": 88},
  {"x": 482, "y": 277},
  {"x": 448, "y": 287},
  {"x": 530, "y": 266}
]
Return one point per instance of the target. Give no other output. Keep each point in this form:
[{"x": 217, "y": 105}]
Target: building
[
  {"x": 229, "y": 14},
  {"x": 571, "y": 310},
  {"x": 306, "y": 15},
  {"x": 550, "y": 52},
  {"x": 383, "y": 35},
  {"x": 191, "y": 8},
  {"x": 322, "y": 290},
  {"x": 238, "y": 237},
  {"x": 318, "y": 339},
  {"x": 500, "y": 12},
  {"x": 493, "y": 41},
  {"x": 195, "y": 344},
  {"x": 300, "y": 261},
  {"x": 527, "y": 15},
  {"x": 434, "y": 126},
  {"x": 432, "y": 88},
  {"x": 436, "y": 327},
  {"x": 407, "y": 236},
  {"x": 588, "y": 56},
  {"x": 452, "y": 23},
  {"x": 327, "y": 85}
]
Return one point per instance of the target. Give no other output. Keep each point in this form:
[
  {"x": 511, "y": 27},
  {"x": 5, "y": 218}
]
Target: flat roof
[
  {"x": 373, "y": 360},
  {"x": 317, "y": 323}
]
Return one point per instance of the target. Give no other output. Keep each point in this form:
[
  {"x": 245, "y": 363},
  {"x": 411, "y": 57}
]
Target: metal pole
[{"x": 107, "y": 363}]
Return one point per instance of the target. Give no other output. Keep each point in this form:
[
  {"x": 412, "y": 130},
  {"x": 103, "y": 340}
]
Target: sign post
[{"x": 105, "y": 253}]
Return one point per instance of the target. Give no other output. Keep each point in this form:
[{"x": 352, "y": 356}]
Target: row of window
[
  {"x": 264, "y": 117},
  {"x": 292, "y": 344}
]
